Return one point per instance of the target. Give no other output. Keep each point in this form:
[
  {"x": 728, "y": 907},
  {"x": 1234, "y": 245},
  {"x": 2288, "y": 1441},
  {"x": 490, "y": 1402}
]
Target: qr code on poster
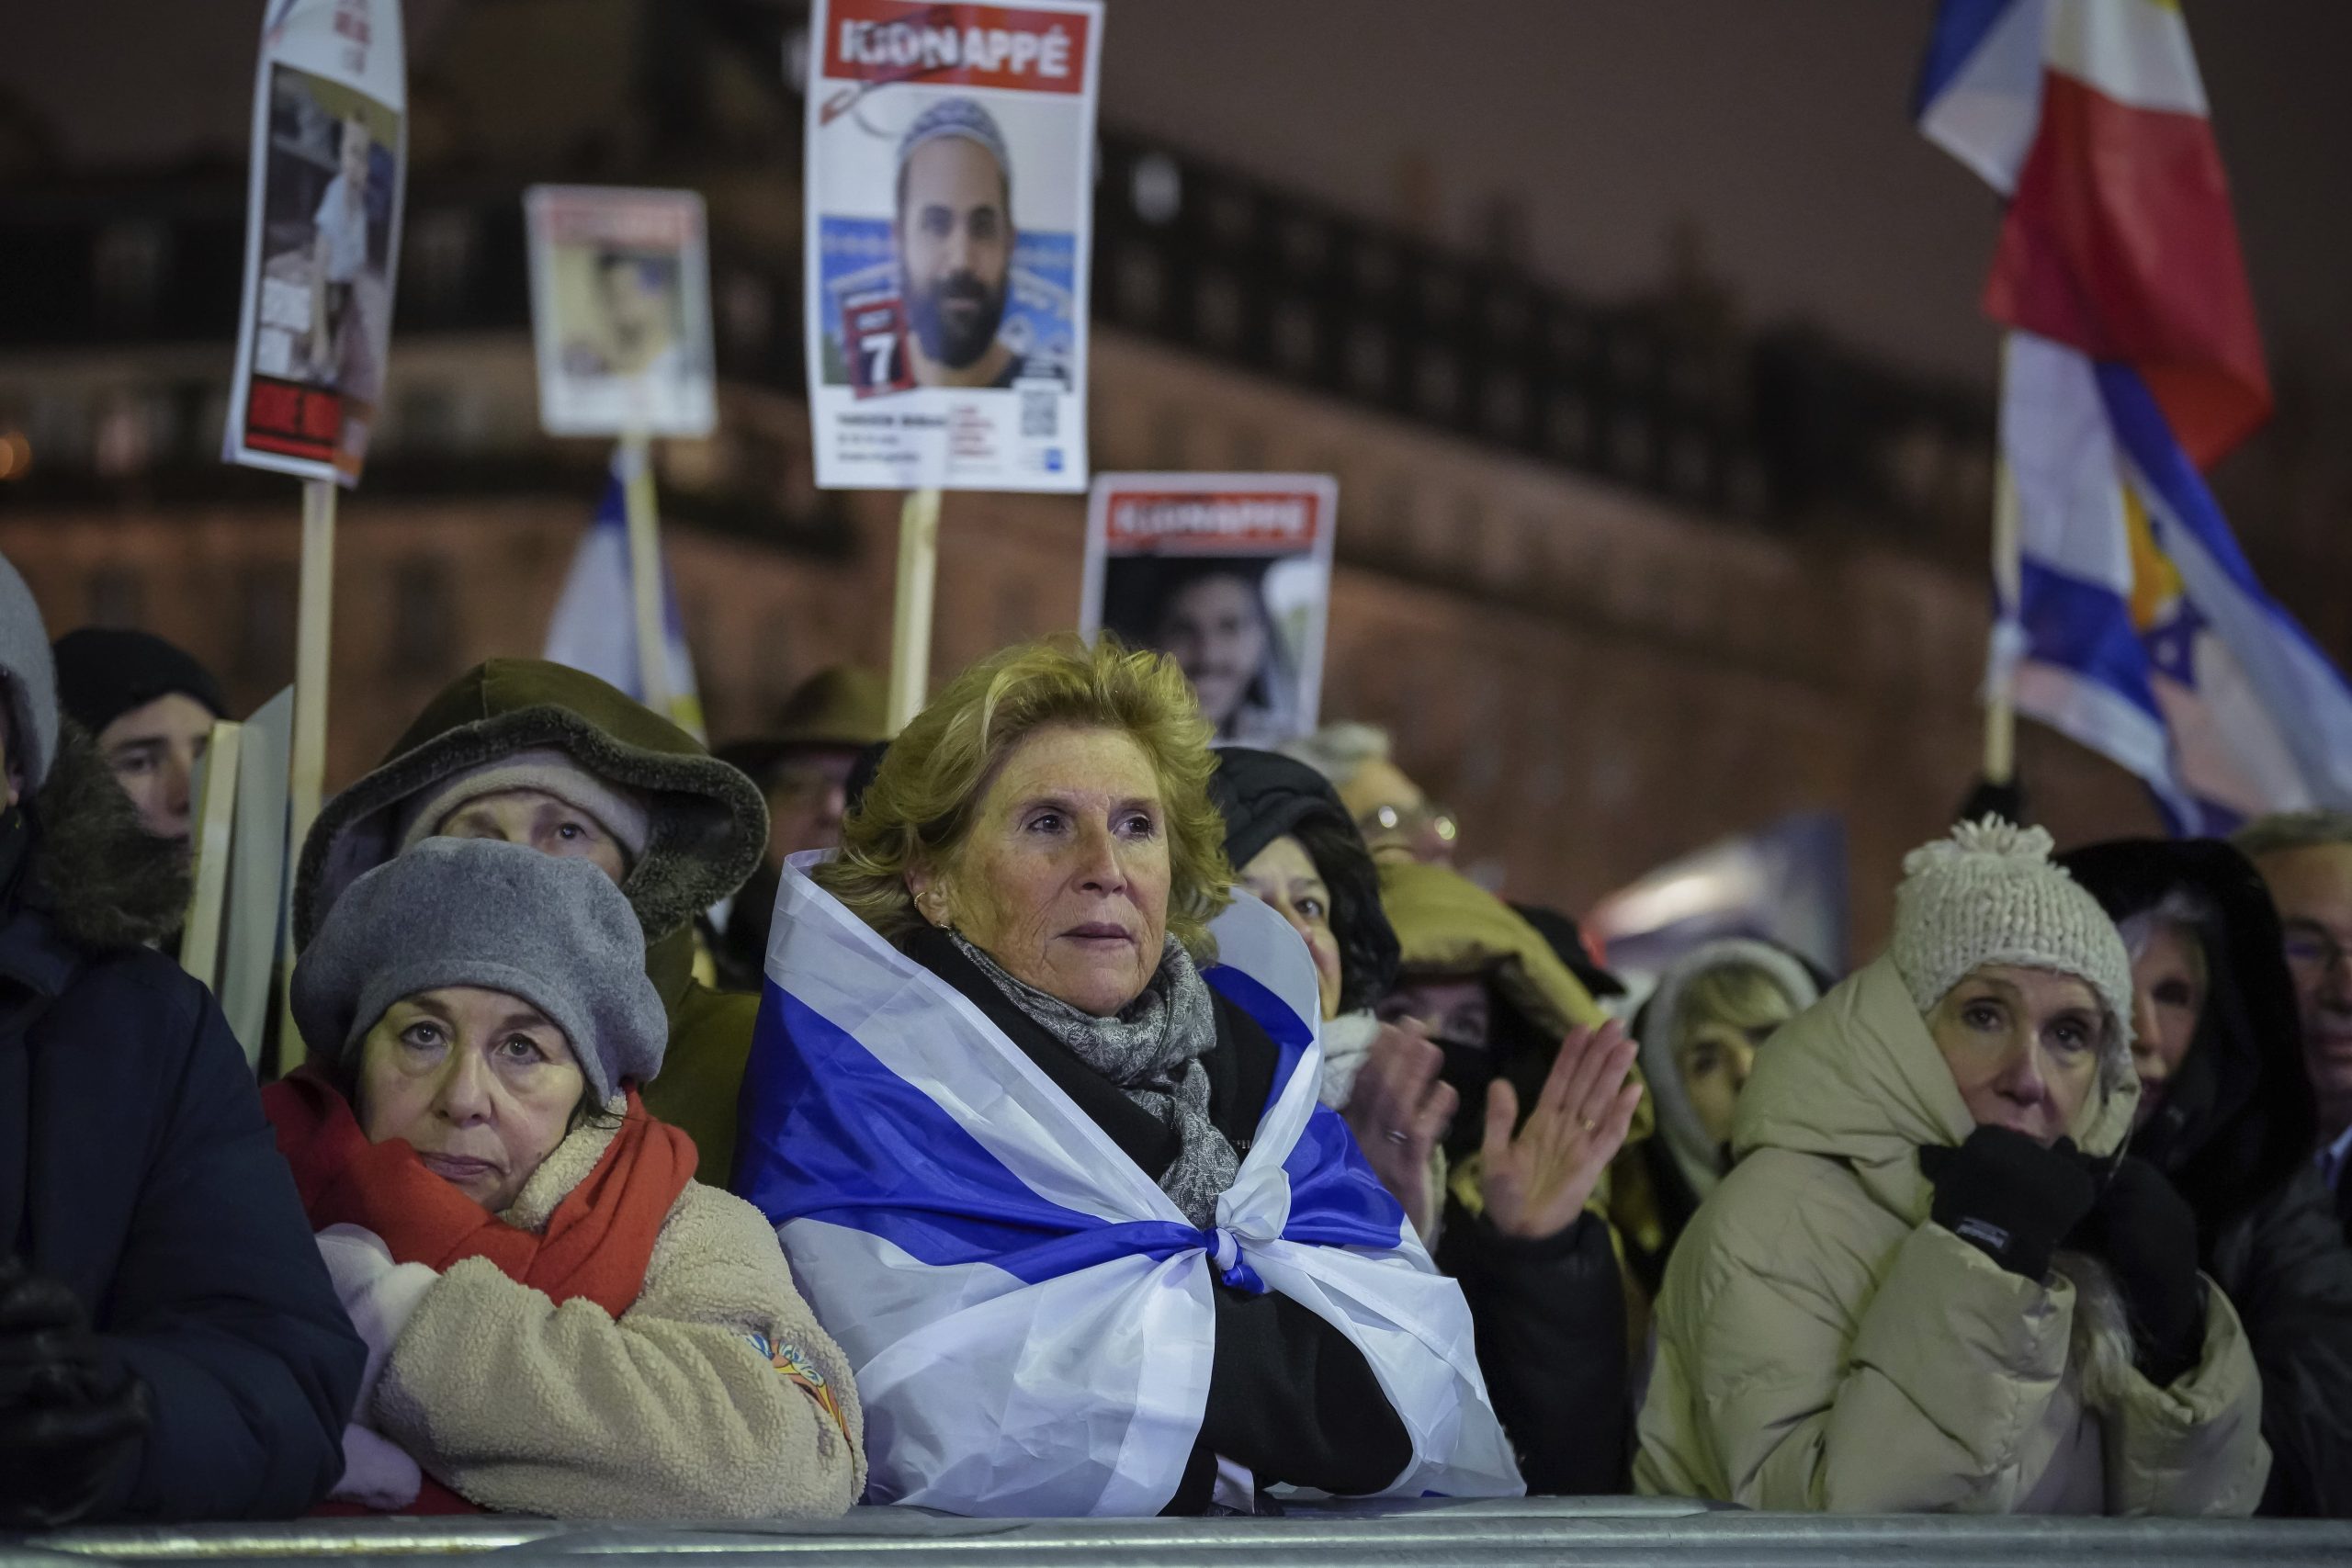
[{"x": 1041, "y": 415}]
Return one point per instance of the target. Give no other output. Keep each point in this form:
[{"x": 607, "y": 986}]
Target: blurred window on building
[
  {"x": 1140, "y": 283},
  {"x": 426, "y": 419},
  {"x": 127, "y": 268},
  {"x": 1217, "y": 310},
  {"x": 1295, "y": 336},
  {"x": 1368, "y": 363},
  {"x": 747, "y": 307},
  {"x": 116, "y": 596},
  {"x": 132, "y": 427},
  {"x": 424, "y": 615},
  {"x": 267, "y": 600},
  {"x": 1155, "y": 186},
  {"x": 440, "y": 260},
  {"x": 60, "y": 427}
]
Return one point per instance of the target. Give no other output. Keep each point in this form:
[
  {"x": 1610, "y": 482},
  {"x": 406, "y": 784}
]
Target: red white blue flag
[{"x": 2135, "y": 362}]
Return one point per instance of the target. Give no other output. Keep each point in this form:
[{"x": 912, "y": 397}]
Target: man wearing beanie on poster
[
  {"x": 152, "y": 707},
  {"x": 1931, "y": 1281},
  {"x": 170, "y": 1345}
]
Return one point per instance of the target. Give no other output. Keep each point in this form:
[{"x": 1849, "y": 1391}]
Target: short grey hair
[
  {"x": 1339, "y": 750},
  {"x": 2284, "y": 831},
  {"x": 2185, "y": 907}
]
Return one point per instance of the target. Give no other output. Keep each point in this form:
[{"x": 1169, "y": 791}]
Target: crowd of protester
[{"x": 575, "y": 1208}]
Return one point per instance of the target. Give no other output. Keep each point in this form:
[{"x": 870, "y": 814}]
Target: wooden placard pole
[
  {"x": 216, "y": 820},
  {"x": 314, "y": 636},
  {"x": 910, "y": 616},
  {"x": 306, "y": 777},
  {"x": 645, "y": 574},
  {"x": 2000, "y": 689}
]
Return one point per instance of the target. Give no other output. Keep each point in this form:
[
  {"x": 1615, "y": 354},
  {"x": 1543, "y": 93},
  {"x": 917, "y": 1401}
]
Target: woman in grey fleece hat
[{"x": 469, "y": 1145}]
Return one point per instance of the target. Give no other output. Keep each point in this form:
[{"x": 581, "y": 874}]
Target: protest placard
[
  {"x": 948, "y": 199},
  {"x": 620, "y": 311},
  {"x": 323, "y": 233},
  {"x": 1230, "y": 575}
]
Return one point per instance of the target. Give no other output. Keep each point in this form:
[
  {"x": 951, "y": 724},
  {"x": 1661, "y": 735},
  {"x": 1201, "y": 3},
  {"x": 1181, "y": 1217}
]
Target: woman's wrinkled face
[
  {"x": 2169, "y": 985},
  {"x": 549, "y": 825},
  {"x": 1063, "y": 878},
  {"x": 480, "y": 1083},
  {"x": 2023, "y": 1047},
  {"x": 1215, "y": 630},
  {"x": 1284, "y": 875}
]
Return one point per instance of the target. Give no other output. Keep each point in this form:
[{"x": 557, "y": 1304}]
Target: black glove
[
  {"x": 70, "y": 1422},
  {"x": 2146, "y": 1234},
  {"x": 2007, "y": 1196}
]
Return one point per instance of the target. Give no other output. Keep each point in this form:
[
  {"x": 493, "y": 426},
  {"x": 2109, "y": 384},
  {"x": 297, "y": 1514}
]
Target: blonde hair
[
  {"x": 919, "y": 809},
  {"x": 1735, "y": 994}
]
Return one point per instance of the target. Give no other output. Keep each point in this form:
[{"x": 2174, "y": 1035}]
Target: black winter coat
[
  {"x": 2236, "y": 1136},
  {"x": 1289, "y": 1395},
  {"x": 1550, "y": 1321},
  {"x": 135, "y": 1167}
]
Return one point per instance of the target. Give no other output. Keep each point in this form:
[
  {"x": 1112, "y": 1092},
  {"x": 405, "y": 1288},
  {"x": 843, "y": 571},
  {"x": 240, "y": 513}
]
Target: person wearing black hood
[
  {"x": 171, "y": 1347},
  {"x": 2225, "y": 1114},
  {"x": 1548, "y": 1310},
  {"x": 152, "y": 707}
]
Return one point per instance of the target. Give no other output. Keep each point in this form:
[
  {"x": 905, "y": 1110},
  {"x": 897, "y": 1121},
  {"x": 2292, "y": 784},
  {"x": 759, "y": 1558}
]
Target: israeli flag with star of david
[
  {"x": 1031, "y": 1319},
  {"x": 2137, "y": 628}
]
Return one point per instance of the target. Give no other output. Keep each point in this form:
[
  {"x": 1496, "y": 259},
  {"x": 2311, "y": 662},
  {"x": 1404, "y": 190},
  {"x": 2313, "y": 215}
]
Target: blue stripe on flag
[
  {"x": 2147, "y": 440},
  {"x": 1291, "y": 1034},
  {"x": 1335, "y": 1200},
  {"x": 2085, "y": 628},
  {"x": 1960, "y": 29},
  {"x": 830, "y": 1134}
]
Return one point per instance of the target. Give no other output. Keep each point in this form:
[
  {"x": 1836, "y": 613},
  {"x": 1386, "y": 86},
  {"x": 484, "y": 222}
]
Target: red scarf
[{"x": 596, "y": 1245}]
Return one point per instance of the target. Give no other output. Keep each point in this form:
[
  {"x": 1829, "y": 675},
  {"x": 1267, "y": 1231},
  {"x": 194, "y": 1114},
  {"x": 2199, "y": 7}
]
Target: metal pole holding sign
[
  {"x": 910, "y": 616},
  {"x": 645, "y": 571}
]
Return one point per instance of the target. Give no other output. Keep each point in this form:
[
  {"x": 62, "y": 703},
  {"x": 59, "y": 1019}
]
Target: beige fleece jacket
[{"x": 667, "y": 1412}]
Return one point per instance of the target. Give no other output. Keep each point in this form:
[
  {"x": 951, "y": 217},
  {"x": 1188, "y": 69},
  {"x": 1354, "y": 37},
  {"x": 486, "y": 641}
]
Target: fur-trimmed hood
[
  {"x": 107, "y": 883},
  {"x": 709, "y": 821}
]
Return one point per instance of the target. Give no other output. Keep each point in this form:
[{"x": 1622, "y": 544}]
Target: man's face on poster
[
  {"x": 1214, "y": 627},
  {"x": 955, "y": 248},
  {"x": 636, "y": 306}
]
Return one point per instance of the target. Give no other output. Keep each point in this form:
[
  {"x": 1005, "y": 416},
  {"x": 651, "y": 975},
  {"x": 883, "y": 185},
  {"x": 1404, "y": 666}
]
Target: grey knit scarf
[{"x": 1152, "y": 1049}]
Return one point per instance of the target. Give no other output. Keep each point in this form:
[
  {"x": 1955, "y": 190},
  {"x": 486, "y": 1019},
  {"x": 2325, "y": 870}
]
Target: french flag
[{"x": 2119, "y": 242}]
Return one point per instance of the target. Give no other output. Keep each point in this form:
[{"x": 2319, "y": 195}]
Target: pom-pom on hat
[{"x": 1990, "y": 894}]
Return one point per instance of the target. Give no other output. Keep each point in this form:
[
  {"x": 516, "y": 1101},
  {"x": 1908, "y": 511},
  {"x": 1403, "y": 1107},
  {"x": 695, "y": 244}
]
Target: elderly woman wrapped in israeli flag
[{"x": 1065, "y": 1196}]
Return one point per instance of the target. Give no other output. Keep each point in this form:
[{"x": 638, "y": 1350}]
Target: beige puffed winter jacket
[
  {"x": 667, "y": 1412},
  {"x": 1823, "y": 1344}
]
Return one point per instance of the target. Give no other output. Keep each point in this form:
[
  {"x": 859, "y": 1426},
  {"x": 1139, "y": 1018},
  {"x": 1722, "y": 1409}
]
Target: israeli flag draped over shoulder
[{"x": 1031, "y": 1319}]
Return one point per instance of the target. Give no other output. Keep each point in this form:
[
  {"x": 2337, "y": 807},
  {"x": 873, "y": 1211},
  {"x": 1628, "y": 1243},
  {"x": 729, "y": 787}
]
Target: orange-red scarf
[{"x": 596, "y": 1245}]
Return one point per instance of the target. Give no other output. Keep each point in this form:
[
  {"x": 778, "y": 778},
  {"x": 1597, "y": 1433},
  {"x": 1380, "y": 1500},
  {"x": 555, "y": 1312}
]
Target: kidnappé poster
[
  {"x": 1227, "y": 574},
  {"x": 949, "y": 185},
  {"x": 620, "y": 311},
  {"x": 322, "y": 237}
]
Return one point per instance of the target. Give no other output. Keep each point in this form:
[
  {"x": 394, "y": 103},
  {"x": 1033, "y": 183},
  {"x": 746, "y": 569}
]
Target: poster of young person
[
  {"x": 1229, "y": 575},
  {"x": 949, "y": 211},
  {"x": 620, "y": 311},
  {"x": 322, "y": 236}
]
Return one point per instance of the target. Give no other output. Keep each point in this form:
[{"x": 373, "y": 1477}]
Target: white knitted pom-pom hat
[{"x": 1989, "y": 894}]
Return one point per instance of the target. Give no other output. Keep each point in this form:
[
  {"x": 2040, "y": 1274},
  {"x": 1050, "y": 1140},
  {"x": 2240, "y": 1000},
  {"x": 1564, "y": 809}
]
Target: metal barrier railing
[{"x": 1647, "y": 1532}]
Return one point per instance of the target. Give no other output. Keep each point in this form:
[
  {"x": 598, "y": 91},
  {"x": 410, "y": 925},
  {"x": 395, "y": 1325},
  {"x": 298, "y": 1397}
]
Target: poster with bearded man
[{"x": 949, "y": 183}]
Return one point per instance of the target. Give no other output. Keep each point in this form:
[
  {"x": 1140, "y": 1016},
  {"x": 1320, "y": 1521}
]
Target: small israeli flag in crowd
[
  {"x": 1031, "y": 1319},
  {"x": 594, "y": 625}
]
